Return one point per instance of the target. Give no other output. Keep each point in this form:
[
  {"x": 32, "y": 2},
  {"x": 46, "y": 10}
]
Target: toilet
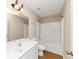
[{"x": 41, "y": 48}]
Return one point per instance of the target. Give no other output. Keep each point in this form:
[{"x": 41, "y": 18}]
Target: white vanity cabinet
[
  {"x": 27, "y": 50},
  {"x": 31, "y": 54}
]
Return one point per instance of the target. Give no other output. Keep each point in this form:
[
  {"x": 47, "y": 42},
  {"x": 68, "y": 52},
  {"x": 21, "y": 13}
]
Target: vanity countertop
[{"x": 16, "y": 49}]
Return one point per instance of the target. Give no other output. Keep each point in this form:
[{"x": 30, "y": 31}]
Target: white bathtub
[{"x": 16, "y": 49}]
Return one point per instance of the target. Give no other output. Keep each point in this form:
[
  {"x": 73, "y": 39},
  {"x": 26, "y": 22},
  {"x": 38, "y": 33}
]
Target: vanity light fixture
[{"x": 17, "y": 6}]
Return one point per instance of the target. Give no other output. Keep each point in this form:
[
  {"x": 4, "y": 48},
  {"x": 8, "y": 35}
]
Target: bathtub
[{"x": 17, "y": 48}]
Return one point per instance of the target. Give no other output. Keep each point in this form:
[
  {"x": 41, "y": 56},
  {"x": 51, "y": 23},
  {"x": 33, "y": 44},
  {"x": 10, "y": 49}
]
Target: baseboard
[{"x": 54, "y": 53}]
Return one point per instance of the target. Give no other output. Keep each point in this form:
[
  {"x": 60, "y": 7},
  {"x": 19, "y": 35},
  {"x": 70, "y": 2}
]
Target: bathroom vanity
[{"x": 22, "y": 49}]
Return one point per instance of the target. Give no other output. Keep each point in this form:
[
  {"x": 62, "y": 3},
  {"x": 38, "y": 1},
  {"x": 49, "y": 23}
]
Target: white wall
[
  {"x": 75, "y": 20},
  {"x": 2, "y": 30},
  {"x": 51, "y": 36}
]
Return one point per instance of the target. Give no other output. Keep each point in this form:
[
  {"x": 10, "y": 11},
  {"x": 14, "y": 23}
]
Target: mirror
[{"x": 17, "y": 27}]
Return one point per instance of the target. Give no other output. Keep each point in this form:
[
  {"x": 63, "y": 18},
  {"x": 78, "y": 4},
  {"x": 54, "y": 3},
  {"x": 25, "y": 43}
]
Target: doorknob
[{"x": 69, "y": 53}]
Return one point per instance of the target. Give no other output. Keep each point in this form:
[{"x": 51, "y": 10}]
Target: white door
[
  {"x": 68, "y": 49},
  {"x": 67, "y": 14}
]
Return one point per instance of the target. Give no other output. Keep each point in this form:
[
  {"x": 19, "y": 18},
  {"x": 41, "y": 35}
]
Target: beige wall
[
  {"x": 15, "y": 27},
  {"x": 67, "y": 28},
  {"x": 50, "y": 19}
]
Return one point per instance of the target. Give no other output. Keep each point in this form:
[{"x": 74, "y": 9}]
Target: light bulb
[
  {"x": 16, "y": 6},
  {"x": 22, "y": 9}
]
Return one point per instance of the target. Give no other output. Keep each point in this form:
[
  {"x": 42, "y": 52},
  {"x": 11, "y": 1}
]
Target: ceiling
[{"x": 45, "y": 8}]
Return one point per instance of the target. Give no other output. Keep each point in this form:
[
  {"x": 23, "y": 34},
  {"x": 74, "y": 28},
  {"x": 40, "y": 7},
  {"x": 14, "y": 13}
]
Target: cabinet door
[
  {"x": 33, "y": 54},
  {"x": 25, "y": 56}
]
